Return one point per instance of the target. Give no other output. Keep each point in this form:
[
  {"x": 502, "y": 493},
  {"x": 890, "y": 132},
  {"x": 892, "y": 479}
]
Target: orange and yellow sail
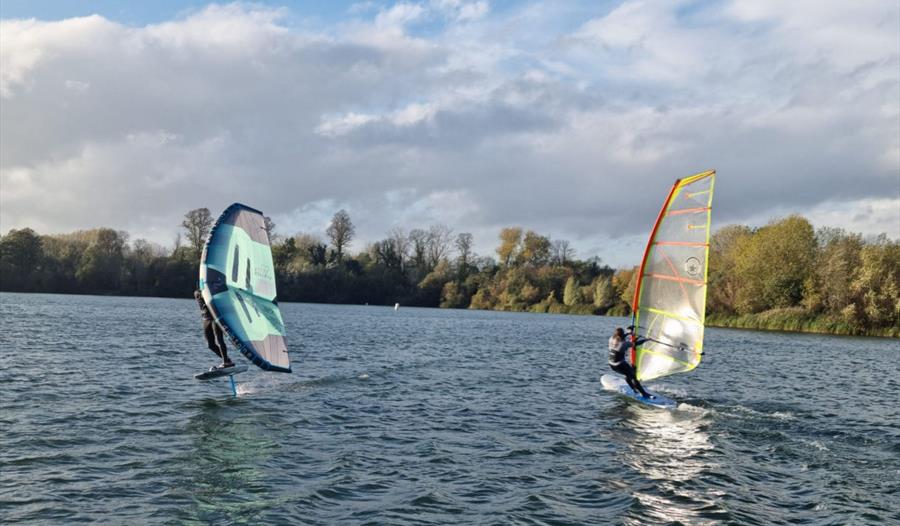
[{"x": 670, "y": 297}]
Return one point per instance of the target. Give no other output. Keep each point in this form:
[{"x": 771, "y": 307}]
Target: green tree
[
  {"x": 21, "y": 254},
  {"x": 62, "y": 255},
  {"x": 317, "y": 254},
  {"x": 774, "y": 264},
  {"x": 136, "y": 277},
  {"x": 385, "y": 253},
  {"x": 100, "y": 268},
  {"x": 197, "y": 224}
]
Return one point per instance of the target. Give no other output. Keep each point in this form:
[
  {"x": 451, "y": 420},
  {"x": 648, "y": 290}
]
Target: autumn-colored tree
[
  {"x": 604, "y": 293},
  {"x": 625, "y": 281},
  {"x": 509, "y": 245},
  {"x": 876, "y": 287},
  {"x": 723, "y": 255},
  {"x": 535, "y": 250},
  {"x": 571, "y": 294},
  {"x": 839, "y": 264}
]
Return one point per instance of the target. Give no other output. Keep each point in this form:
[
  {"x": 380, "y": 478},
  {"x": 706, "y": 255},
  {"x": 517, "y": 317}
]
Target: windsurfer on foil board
[
  {"x": 619, "y": 345},
  {"x": 215, "y": 339}
]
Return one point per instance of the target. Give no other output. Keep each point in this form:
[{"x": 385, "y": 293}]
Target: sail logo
[
  {"x": 263, "y": 273},
  {"x": 692, "y": 266}
]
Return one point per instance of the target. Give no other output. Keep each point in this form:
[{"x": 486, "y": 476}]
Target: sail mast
[{"x": 640, "y": 276}]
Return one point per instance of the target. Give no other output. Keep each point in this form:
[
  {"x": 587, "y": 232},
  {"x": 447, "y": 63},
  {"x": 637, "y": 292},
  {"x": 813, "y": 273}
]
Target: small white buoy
[{"x": 396, "y": 306}]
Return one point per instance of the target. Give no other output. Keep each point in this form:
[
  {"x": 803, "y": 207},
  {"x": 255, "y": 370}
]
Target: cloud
[
  {"x": 461, "y": 11},
  {"x": 450, "y": 111}
]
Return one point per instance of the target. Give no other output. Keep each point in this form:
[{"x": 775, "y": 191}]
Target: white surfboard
[{"x": 617, "y": 383}]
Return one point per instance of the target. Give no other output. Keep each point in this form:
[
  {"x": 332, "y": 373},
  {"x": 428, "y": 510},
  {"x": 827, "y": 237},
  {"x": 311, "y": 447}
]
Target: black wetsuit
[
  {"x": 215, "y": 339},
  {"x": 618, "y": 363}
]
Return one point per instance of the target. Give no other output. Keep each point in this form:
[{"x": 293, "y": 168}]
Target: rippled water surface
[{"x": 425, "y": 416}]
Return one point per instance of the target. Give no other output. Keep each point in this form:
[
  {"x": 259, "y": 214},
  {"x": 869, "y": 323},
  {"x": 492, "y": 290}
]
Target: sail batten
[
  {"x": 237, "y": 280},
  {"x": 670, "y": 295}
]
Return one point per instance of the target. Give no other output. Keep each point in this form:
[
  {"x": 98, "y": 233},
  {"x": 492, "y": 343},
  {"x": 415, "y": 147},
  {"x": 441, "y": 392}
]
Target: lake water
[{"x": 426, "y": 416}]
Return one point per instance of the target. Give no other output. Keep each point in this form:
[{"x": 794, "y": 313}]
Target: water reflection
[
  {"x": 672, "y": 453},
  {"x": 226, "y": 474}
]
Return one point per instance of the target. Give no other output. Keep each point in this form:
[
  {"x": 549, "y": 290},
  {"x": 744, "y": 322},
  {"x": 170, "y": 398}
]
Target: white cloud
[
  {"x": 845, "y": 34},
  {"x": 462, "y": 11},
  {"x": 869, "y": 217},
  {"x": 446, "y": 111}
]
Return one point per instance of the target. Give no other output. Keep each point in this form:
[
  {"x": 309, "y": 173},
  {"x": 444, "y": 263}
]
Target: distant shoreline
[
  {"x": 769, "y": 321},
  {"x": 774, "y": 321}
]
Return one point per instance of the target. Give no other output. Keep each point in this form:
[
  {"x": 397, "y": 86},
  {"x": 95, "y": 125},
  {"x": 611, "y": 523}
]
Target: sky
[{"x": 572, "y": 119}]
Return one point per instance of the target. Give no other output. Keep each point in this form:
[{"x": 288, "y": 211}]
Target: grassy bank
[
  {"x": 786, "y": 319},
  {"x": 797, "y": 320}
]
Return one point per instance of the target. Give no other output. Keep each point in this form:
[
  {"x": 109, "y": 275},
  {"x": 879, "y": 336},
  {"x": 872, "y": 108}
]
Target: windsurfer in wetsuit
[
  {"x": 213, "y": 333},
  {"x": 618, "y": 346}
]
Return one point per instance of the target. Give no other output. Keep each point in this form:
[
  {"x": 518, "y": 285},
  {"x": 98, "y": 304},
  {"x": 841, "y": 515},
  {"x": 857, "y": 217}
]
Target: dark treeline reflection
[{"x": 785, "y": 275}]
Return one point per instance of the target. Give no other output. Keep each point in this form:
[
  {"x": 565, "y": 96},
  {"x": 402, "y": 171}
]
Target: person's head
[{"x": 620, "y": 333}]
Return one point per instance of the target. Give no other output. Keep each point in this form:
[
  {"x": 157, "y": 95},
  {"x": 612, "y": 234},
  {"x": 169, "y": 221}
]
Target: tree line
[{"x": 785, "y": 275}]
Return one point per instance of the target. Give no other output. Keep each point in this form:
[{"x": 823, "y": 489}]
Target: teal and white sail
[{"x": 237, "y": 280}]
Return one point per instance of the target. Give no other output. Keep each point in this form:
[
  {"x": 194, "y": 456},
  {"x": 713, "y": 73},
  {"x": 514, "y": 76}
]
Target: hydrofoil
[{"x": 218, "y": 372}]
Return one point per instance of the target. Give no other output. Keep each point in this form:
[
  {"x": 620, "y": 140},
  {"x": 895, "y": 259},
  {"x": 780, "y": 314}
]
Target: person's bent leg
[
  {"x": 624, "y": 368},
  {"x": 631, "y": 378},
  {"x": 639, "y": 387},
  {"x": 210, "y": 336},
  {"x": 630, "y": 381}
]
